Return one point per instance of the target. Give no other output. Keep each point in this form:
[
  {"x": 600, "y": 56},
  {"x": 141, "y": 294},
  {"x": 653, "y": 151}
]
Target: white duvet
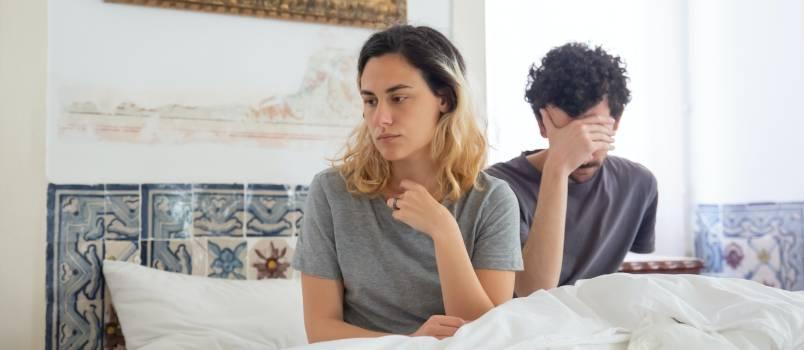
[{"x": 624, "y": 311}]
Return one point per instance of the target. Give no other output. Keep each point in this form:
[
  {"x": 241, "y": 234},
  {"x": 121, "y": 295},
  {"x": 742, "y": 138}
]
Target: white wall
[
  {"x": 469, "y": 36},
  {"x": 650, "y": 39},
  {"x": 23, "y": 45},
  {"x": 111, "y": 53},
  {"x": 746, "y": 64}
]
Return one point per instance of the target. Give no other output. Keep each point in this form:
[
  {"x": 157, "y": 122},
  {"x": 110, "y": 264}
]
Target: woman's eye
[
  {"x": 369, "y": 102},
  {"x": 399, "y": 99}
]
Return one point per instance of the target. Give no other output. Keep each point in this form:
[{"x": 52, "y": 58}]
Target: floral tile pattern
[
  {"x": 763, "y": 242},
  {"x": 227, "y": 258},
  {"x": 270, "y": 258}
]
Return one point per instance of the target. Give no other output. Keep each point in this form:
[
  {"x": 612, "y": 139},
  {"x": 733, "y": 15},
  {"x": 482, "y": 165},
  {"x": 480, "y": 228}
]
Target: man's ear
[
  {"x": 542, "y": 129},
  {"x": 617, "y": 122}
]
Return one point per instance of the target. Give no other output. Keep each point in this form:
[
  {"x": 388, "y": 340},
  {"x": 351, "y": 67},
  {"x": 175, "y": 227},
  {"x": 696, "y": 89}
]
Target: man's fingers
[
  {"x": 598, "y": 128},
  {"x": 598, "y": 137},
  {"x": 599, "y": 119},
  {"x": 601, "y": 145}
]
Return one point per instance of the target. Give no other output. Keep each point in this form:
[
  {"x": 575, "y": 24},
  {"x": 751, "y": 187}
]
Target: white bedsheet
[{"x": 625, "y": 311}]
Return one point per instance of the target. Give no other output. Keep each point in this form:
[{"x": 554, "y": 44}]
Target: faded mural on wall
[{"x": 325, "y": 108}]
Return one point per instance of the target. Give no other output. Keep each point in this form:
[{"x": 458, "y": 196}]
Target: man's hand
[{"x": 575, "y": 144}]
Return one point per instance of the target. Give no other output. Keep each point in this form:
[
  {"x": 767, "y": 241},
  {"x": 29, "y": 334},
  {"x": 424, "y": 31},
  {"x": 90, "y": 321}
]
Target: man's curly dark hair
[{"x": 574, "y": 78}]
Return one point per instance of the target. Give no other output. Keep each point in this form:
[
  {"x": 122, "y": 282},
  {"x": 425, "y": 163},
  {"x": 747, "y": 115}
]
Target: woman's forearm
[
  {"x": 462, "y": 292},
  {"x": 330, "y": 329}
]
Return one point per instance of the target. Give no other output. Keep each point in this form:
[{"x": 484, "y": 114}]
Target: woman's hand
[
  {"x": 417, "y": 208},
  {"x": 439, "y": 326}
]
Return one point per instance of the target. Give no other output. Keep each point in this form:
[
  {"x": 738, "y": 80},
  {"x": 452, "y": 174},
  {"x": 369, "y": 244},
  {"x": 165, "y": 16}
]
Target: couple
[{"x": 407, "y": 234}]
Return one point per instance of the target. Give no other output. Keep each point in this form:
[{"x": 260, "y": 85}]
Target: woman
[{"x": 405, "y": 234}]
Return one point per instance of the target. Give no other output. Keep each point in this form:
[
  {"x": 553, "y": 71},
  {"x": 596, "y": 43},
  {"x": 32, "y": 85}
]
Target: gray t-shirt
[
  {"x": 389, "y": 269},
  {"x": 607, "y": 215}
]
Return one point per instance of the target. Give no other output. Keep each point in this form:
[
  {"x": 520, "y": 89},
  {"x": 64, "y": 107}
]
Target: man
[{"x": 581, "y": 211}]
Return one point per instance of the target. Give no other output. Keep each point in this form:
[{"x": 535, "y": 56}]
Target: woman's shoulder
[
  {"x": 492, "y": 188},
  {"x": 330, "y": 180}
]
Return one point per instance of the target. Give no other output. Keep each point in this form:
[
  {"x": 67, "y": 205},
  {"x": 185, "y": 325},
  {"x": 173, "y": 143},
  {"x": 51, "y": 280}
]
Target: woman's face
[{"x": 399, "y": 108}]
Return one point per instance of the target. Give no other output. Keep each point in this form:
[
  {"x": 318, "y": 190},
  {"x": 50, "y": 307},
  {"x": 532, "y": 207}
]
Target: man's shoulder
[
  {"x": 634, "y": 172},
  {"x": 512, "y": 170}
]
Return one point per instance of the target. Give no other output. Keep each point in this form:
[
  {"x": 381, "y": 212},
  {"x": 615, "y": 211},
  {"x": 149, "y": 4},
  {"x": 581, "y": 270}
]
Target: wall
[
  {"x": 23, "y": 45},
  {"x": 110, "y": 54},
  {"x": 747, "y": 82}
]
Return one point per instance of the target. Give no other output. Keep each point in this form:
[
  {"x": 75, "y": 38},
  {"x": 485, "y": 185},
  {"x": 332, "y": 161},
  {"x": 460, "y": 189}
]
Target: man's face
[{"x": 560, "y": 119}]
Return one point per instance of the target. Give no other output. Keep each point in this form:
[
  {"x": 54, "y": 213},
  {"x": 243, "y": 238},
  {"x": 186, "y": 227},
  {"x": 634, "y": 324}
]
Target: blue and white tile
[
  {"x": 269, "y": 211},
  {"x": 167, "y": 212},
  {"x": 270, "y": 258},
  {"x": 187, "y": 256},
  {"x": 218, "y": 210},
  {"x": 226, "y": 258},
  {"x": 128, "y": 251},
  {"x": 122, "y": 218},
  {"x": 708, "y": 230},
  {"x": 299, "y": 199},
  {"x": 75, "y": 301},
  {"x": 76, "y": 212},
  {"x": 761, "y": 242}
]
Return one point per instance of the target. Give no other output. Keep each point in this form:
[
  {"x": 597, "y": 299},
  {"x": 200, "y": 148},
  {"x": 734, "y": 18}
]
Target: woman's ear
[{"x": 443, "y": 105}]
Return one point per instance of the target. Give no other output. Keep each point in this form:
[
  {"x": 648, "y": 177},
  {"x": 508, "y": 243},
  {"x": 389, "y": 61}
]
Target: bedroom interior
[{"x": 181, "y": 136}]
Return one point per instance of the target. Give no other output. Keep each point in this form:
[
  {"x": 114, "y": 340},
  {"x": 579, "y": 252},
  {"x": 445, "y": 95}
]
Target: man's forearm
[{"x": 543, "y": 252}]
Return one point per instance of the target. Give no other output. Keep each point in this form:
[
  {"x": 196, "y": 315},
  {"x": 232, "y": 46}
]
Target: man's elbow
[{"x": 524, "y": 288}]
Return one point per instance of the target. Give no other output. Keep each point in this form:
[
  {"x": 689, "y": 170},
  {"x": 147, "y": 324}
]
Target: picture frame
[{"x": 375, "y": 14}]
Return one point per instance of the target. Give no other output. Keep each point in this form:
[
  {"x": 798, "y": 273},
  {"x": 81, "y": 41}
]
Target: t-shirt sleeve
[
  {"x": 646, "y": 236},
  {"x": 316, "y": 252},
  {"x": 497, "y": 242}
]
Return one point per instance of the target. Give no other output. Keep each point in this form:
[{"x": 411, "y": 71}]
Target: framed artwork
[{"x": 358, "y": 13}]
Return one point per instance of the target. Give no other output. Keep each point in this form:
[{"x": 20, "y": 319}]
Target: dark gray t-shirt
[
  {"x": 608, "y": 215},
  {"x": 389, "y": 269}
]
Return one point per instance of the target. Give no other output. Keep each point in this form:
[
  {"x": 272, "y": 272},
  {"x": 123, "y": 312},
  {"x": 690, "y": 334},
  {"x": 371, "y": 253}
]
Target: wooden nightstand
[{"x": 647, "y": 263}]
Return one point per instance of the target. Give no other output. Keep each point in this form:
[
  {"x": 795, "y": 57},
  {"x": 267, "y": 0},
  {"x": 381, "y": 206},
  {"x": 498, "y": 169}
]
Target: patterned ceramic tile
[
  {"x": 76, "y": 212},
  {"x": 75, "y": 303},
  {"x": 122, "y": 212},
  {"x": 299, "y": 200},
  {"x": 112, "y": 331},
  {"x": 122, "y": 251},
  {"x": 153, "y": 224},
  {"x": 74, "y": 287},
  {"x": 227, "y": 258},
  {"x": 708, "y": 231},
  {"x": 270, "y": 258},
  {"x": 269, "y": 211},
  {"x": 167, "y": 212},
  {"x": 186, "y": 256},
  {"x": 761, "y": 242},
  {"x": 218, "y": 210}
]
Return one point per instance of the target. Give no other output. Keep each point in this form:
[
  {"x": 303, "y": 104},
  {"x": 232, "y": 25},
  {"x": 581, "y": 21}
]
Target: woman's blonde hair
[{"x": 458, "y": 145}]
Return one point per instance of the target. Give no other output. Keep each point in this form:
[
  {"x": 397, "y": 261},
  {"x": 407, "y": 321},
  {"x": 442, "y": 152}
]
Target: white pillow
[{"x": 166, "y": 310}]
